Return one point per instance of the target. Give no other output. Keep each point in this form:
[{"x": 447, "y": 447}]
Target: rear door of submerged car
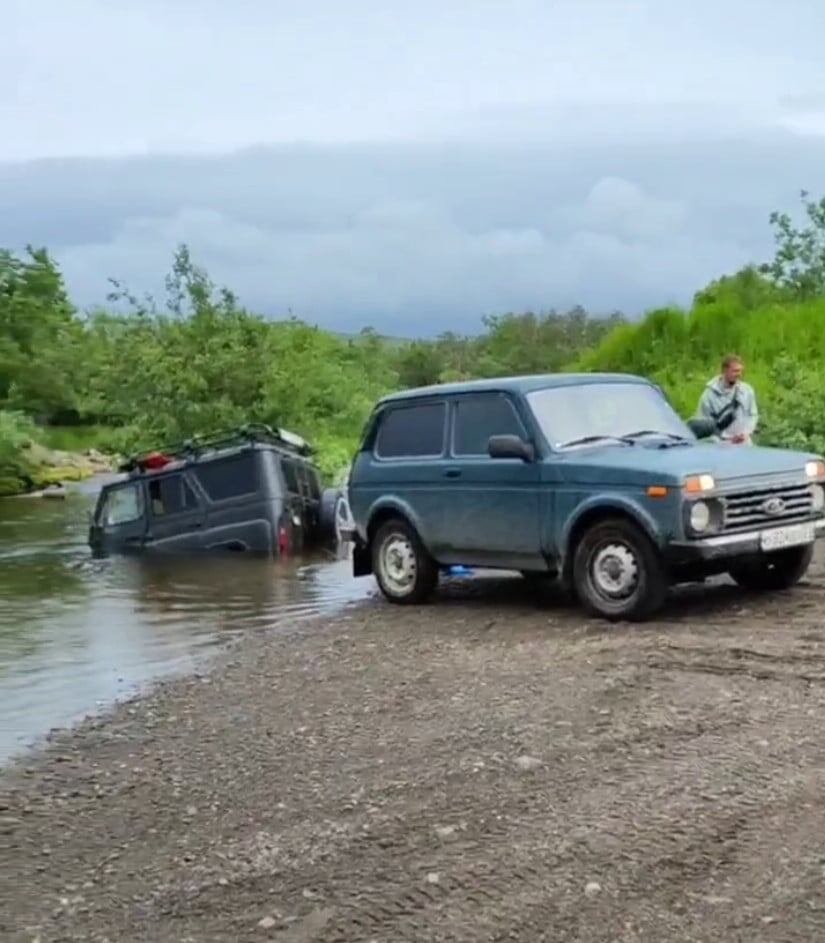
[
  {"x": 493, "y": 504},
  {"x": 403, "y": 464}
]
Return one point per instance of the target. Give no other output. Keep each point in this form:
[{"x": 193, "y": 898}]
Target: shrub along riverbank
[{"x": 140, "y": 373}]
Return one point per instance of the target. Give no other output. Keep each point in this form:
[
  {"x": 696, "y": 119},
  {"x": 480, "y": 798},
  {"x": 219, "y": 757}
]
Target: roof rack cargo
[{"x": 156, "y": 458}]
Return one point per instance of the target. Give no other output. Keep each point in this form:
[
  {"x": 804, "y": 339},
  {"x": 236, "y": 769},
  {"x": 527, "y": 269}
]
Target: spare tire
[{"x": 334, "y": 513}]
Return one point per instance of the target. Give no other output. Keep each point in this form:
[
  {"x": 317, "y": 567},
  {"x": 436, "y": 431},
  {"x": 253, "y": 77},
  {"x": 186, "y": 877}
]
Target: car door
[
  {"x": 407, "y": 467},
  {"x": 493, "y": 504},
  {"x": 176, "y": 513},
  {"x": 120, "y": 521}
]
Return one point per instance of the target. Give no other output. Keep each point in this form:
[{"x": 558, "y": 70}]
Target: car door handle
[{"x": 452, "y": 473}]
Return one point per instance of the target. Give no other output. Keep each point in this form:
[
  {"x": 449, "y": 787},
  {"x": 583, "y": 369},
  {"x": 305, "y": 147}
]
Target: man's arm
[
  {"x": 705, "y": 408},
  {"x": 751, "y": 412}
]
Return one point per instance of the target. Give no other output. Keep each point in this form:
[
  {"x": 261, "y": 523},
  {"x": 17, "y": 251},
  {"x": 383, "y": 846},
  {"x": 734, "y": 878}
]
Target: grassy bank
[
  {"x": 32, "y": 457},
  {"x": 781, "y": 340}
]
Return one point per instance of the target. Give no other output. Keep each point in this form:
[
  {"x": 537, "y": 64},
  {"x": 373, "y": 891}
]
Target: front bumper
[{"x": 726, "y": 546}]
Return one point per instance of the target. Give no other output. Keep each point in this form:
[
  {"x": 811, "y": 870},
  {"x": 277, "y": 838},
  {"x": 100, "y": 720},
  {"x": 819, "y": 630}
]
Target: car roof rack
[{"x": 196, "y": 445}]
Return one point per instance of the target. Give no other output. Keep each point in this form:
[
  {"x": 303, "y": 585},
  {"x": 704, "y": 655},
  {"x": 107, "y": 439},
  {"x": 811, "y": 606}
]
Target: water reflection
[{"x": 77, "y": 632}]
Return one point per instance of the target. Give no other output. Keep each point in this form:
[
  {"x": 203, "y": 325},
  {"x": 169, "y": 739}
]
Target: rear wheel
[
  {"x": 405, "y": 572},
  {"x": 617, "y": 572},
  {"x": 774, "y": 571},
  {"x": 334, "y": 515}
]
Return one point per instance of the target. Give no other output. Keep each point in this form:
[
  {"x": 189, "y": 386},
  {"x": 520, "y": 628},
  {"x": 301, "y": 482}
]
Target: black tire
[
  {"x": 333, "y": 514},
  {"x": 416, "y": 573},
  {"x": 774, "y": 571},
  {"x": 633, "y": 581}
]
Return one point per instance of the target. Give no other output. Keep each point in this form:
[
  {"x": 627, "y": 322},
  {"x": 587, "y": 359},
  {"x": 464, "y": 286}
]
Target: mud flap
[{"x": 361, "y": 560}]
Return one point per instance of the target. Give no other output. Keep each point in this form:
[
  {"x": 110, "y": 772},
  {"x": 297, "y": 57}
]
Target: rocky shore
[
  {"x": 490, "y": 767},
  {"x": 50, "y": 469}
]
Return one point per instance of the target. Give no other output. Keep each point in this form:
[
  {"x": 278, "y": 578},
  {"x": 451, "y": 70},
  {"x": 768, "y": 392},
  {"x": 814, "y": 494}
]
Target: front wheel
[
  {"x": 617, "y": 573},
  {"x": 774, "y": 571},
  {"x": 405, "y": 572}
]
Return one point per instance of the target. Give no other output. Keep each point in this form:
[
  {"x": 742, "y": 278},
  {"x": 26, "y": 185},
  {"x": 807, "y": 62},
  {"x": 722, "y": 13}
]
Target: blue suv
[{"x": 592, "y": 479}]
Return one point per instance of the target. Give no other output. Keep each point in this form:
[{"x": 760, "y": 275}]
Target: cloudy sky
[{"x": 410, "y": 167}]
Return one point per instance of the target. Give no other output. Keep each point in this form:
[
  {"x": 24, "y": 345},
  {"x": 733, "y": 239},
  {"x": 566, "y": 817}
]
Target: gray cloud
[
  {"x": 418, "y": 238},
  {"x": 458, "y": 157}
]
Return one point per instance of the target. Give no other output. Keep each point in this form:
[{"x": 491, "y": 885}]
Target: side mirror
[
  {"x": 701, "y": 427},
  {"x": 510, "y": 446}
]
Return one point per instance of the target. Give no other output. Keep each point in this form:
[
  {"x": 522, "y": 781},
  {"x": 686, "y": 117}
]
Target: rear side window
[
  {"x": 412, "y": 431},
  {"x": 291, "y": 479},
  {"x": 312, "y": 482},
  {"x": 171, "y": 495},
  {"x": 229, "y": 477},
  {"x": 479, "y": 417}
]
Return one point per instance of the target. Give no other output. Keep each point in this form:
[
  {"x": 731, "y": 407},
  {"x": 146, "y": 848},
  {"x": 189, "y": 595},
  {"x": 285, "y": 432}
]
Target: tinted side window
[
  {"x": 171, "y": 495},
  {"x": 313, "y": 482},
  {"x": 412, "y": 431},
  {"x": 479, "y": 417},
  {"x": 291, "y": 479},
  {"x": 229, "y": 477}
]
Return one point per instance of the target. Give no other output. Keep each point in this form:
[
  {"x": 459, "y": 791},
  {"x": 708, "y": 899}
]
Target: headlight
[
  {"x": 815, "y": 469},
  {"x": 699, "y": 517},
  {"x": 817, "y": 498}
]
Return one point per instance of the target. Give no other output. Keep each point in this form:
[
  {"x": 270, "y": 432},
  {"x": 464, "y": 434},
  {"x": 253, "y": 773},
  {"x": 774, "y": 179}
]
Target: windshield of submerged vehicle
[{"x": 594, "y": 411}]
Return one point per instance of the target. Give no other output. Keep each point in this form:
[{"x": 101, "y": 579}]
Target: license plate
[{"x": 792, "y": 536}]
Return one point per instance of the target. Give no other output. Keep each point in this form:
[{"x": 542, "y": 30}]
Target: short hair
[{"x": 730, "y": 359}]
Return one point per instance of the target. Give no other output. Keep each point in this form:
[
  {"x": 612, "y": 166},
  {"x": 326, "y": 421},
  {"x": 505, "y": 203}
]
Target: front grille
[{"x": 764, "y": 506}]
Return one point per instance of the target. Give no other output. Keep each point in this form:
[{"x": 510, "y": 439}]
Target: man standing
[{"x": 730, "y": 402}]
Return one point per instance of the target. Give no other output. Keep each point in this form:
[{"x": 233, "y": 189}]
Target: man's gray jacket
[{"x": 718, "y": 401}]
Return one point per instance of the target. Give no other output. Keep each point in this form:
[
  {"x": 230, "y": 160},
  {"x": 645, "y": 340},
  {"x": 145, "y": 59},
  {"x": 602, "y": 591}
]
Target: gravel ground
[{"x": 489, "y": 767}]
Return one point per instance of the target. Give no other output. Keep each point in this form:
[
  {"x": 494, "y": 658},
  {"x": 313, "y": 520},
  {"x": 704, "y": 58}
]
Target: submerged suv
[
  {"x": 590, "y": 478},
  {"x": 250, "y": 489}
]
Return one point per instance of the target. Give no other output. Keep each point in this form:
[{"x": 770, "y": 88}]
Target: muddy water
[{"x": 78, "y": 633}]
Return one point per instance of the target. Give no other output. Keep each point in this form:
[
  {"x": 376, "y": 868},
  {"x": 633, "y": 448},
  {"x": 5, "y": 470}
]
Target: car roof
[
  {"x": 205, "y": 458},
  {"x": 514, "y": 384}
]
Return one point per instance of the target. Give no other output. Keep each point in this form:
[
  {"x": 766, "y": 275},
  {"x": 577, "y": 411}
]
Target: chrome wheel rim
[
  {"x": 397, "y": 565},
  {"x": 614, "y": 571}
]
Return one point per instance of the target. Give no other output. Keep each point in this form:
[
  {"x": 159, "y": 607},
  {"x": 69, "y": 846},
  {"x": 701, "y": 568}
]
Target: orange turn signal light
[
  {"x": 656, "y": 491},
  {"x": 696, "y": 484}
]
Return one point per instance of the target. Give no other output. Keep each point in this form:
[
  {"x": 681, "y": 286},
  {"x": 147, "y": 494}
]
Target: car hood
[{"x": 642, "y": 463}]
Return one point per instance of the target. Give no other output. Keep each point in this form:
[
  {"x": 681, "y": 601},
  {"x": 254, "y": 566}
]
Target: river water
[{"x": 77, "y": 634}]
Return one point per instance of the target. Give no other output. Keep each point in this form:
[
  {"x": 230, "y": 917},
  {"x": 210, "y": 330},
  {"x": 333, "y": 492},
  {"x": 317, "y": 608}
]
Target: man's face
[{"x": 733, "y": 372}]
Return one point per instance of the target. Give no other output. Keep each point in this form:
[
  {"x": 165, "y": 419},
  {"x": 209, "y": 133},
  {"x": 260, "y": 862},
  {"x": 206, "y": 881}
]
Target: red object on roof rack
[{"x": 154, "y": 460}]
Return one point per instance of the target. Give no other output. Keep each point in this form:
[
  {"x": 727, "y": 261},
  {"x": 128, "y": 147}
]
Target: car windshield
[{"x": 588, "y": 413}]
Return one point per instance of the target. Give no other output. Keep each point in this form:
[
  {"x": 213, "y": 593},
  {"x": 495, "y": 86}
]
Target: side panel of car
[{"x": 240, "y": 501}]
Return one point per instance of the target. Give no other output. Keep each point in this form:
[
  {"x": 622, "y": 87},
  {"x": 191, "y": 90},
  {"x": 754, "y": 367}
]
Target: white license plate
[{"x": 792, "y": 536}]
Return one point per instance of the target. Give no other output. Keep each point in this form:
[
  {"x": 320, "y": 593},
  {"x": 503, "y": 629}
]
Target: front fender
[{"x": 604, "y": 504}]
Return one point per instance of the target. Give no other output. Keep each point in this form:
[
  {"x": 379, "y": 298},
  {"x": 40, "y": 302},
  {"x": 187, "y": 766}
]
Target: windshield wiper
[
  {"x": 586, "y": 440},
  {"x": 673, "y": 436}
]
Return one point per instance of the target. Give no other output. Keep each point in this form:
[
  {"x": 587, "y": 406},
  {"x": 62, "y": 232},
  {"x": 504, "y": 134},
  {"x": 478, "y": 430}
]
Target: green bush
[{"x": 17, "y": 433}]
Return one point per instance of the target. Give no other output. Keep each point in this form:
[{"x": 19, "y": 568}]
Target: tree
[{"x": 799, "y": 263}]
